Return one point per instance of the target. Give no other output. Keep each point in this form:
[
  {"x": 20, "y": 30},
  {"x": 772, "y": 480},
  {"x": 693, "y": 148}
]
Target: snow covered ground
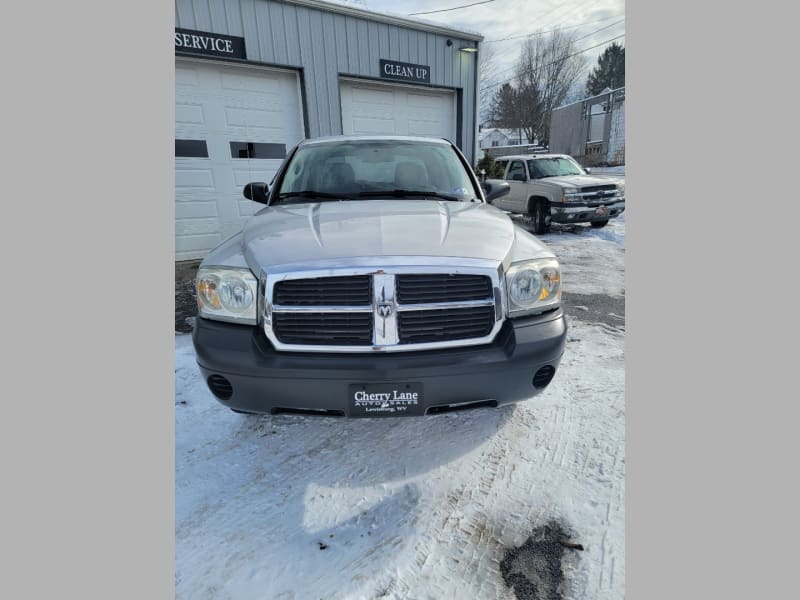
[{"x": 308, "y": 507}]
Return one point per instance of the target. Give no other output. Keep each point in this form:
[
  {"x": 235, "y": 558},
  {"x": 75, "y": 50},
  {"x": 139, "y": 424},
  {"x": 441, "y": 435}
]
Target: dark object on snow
[
  {"x": 567, "y": 544},
  {"x": 533, "y": 570}
]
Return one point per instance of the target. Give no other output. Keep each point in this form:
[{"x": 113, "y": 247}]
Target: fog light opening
[
  {"x": 220, "y": 387},
  {"x": 543, "y": 377}
]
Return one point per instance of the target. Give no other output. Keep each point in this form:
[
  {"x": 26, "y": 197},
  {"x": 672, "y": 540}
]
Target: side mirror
[
  {"x": 495, "y": 188},
  {"x": 588, "y": 170},
  {"x": 257, "y": 191}
]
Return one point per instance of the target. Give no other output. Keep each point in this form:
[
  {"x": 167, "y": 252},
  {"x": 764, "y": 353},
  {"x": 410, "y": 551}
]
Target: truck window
[{"x": 517, "y": 171}]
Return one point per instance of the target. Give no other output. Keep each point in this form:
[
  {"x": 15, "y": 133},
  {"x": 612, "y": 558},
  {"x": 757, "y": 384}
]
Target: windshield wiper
[
  {"x": 312, "y": 194},
  {"x": 409, "y": 193}
]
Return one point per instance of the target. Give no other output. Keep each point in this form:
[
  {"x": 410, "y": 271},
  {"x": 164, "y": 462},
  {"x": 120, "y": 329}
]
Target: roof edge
[{"x": 346, "y": 9}]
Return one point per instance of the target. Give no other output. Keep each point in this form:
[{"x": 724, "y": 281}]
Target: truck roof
[{"x": 353, "y": 138}]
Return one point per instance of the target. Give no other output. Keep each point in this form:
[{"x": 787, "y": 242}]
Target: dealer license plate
[{"x": 386, "y": 399}]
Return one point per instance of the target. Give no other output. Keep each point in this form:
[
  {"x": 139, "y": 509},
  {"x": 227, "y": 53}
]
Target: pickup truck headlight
[
  {"x": 569, "y": 193},
  {"x": 227, "y": 294},
  {"x": 620, "y": 189},
  {"x": 533, "y": 286}
]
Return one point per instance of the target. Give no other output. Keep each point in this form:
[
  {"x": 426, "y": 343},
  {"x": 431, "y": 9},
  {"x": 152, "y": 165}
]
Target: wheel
[
  {"x": 599, "y": 224},
  {"x": 540, "y": 216}
]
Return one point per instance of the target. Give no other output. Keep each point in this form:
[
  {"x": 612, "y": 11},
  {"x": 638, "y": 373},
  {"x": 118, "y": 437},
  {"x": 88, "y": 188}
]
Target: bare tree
[
  {"x": 487, "y": 76},
  {"x": 545, "y": 72}
]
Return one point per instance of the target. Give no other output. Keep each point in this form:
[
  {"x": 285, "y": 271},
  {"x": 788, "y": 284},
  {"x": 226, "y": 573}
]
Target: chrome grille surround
[{"x": 384, "y": 307}]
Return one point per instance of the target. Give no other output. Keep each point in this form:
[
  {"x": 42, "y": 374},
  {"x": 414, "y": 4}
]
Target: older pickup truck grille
[
  {"x": 446, "y": 324},
  {"x": 328, "y": 329},
  {"x": 335, "y": 291},
  {"x": 382, "y": 311},
  {"x": 418, "y": 289}
]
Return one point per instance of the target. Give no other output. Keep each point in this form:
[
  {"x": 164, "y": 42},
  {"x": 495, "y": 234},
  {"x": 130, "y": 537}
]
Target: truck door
[{"x": 517, "y": 178}]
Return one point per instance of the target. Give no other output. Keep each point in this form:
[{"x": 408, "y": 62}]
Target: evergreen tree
[
  {"x": 493, "y": 170},
  {"x": 609, "y": 72}
]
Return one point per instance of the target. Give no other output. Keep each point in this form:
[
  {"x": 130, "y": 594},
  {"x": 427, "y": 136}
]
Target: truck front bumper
[
  {"x": 586, "y": 213},
  {"x": 245, "y": 373}
]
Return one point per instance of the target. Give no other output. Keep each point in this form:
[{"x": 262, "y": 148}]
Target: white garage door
[
  {"x": 233, "y": 125},
  {"x": 397, "y": 109}
]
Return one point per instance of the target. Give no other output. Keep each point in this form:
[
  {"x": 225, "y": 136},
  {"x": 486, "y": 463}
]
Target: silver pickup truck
[
  {"x": 377, "y": 281},
  {"x": 555, "y": 188}
]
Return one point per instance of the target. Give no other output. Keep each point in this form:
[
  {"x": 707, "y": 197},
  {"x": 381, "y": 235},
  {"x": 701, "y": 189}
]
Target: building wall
[
  {"x": 324, "y": 44},
  {"x": 570, "y": 130}
]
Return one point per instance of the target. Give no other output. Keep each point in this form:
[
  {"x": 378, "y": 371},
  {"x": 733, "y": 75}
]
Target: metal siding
[
  {"x": 202, "y": 15},
  {"x": 219, "y": 22},
  {"x": 325, "y": 44}
]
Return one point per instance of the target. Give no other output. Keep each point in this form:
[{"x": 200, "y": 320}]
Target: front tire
[
  {"x": 540, "y": 215},
  {"x": 599, "y": 224}
]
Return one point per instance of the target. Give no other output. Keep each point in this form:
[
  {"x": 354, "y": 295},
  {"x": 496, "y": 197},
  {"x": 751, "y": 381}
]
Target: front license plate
[
  {"x": 386, "y": 399},
  {"x": 601, "y": 211}
]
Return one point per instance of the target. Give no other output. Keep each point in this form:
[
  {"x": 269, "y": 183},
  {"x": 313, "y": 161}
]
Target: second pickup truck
[{"x": 555, "y": 188}]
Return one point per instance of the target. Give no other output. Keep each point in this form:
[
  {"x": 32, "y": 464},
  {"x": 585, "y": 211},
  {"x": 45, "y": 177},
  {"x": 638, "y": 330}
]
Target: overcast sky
[{"x": 598, "y": 20}]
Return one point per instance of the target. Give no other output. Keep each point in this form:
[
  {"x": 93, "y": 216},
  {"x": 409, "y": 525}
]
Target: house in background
[
  {"x": 492, "y": 137},
  {"x": 591, "y": 130}
]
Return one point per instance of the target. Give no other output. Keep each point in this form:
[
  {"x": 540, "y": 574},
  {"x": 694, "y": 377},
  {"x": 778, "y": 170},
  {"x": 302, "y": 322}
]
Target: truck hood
[
  {"x": 302, "y": 233},
  {"x": 579, "y": 181}
]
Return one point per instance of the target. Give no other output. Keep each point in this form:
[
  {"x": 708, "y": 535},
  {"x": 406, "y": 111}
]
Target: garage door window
[
  {"x": 257, "y": 150},
  {"x": 191, "y": 149}
]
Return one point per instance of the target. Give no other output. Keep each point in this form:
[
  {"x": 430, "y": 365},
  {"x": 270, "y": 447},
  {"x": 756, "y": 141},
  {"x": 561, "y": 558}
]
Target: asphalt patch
[
  {"x": 533, "y": 570},
  {"x": 595, "y": 308}
]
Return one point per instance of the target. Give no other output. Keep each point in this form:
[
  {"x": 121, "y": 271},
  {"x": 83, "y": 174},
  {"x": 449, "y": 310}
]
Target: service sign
[
  {"x": 209, "y": 44},
  {"x": 400, "y": 71}
]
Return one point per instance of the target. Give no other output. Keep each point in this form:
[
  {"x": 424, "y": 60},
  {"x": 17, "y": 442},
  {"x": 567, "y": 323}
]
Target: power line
[
  {"x": 601, "y": 29},
  {"x": 585, "y": 36},
  {"x": 488, "y": 87},
  {"x": 430, "y": 12},
  {"x": 516, "y": 37}
]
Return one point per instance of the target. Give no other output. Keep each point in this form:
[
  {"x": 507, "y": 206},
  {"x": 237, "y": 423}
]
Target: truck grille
[
  {"x": 324, "y": 329},
  {"x": 598, "y": 188},
  {"x": 420, "y": 289},
  {"x": 382, "y": 311},
  {"x": 325, "y": 291},
  {"x": 445, "y": 325}
]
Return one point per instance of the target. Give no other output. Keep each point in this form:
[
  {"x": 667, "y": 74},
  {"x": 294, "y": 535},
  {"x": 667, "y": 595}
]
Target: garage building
[{"x": 255, "y": 77}]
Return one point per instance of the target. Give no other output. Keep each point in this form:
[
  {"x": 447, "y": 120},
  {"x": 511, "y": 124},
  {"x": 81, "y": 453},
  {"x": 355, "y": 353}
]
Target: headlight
[
  {"x": 569, "y": 193},
  {"x": 227, "y": 294},
  {"x": 533, "y": 286},
  {"x": 620, "y": 189}
]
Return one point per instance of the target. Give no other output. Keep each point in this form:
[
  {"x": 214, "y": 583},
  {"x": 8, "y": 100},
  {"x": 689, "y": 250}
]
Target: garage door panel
[
  {"x": 426, "y": 128},
  {"x": 241, "y": 177},
  {"x": 186, "y": 76},
  {"x": 365, "y": 97},
  {"x": 243, "y": 81},
  {"x": 374, "y": 126},
  {"x": 194, "y": 179},
  {"x": 251, "y": 117},
  {"x": 193, "y": 246},
  {"x": 191, "y": 114},
  {"x": 426, "y": 101},
  {"x": 198, "y": 226},
  {"x": 196, "y": 209}
]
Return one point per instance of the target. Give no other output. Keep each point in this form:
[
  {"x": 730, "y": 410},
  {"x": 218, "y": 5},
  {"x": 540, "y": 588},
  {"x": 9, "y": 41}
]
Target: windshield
[
  {"x": 374, "y": 169},
  {"x": 553, "y": 167}
]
